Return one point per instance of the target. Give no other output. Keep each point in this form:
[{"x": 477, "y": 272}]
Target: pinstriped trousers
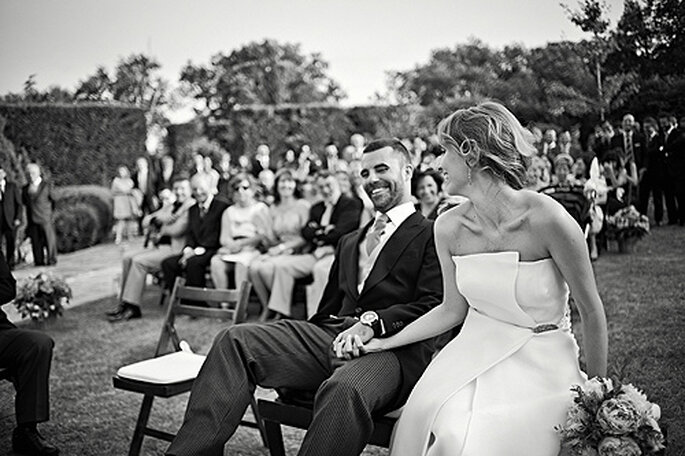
[{"x": 290, "y": 354}]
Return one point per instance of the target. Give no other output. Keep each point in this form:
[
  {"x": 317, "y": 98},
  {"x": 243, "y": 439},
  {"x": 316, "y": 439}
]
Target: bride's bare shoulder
[{"x": 453, "y": 220}]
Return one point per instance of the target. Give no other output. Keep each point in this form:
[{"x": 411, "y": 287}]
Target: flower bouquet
[
  {"x": 626, "y": 226},
  {"x": 611, "y": 419},
  {"x": 42, "y": 296}
]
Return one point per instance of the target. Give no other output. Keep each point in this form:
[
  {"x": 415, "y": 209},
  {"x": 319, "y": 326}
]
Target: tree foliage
[{"x": 260, "y": 73}]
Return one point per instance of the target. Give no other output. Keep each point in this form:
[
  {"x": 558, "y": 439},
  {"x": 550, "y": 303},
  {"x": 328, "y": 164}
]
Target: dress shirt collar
[
  {"x": 208, "y": 202},
  {"x": 399, "y": 214}
]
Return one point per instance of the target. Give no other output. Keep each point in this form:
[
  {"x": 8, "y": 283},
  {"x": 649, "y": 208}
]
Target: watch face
[{"x": 368, "y": 317}]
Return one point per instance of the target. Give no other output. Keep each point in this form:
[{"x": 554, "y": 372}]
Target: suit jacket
[
  {"x": 8, "y": 291},
  {"x": 404, "y": 283},
  {"x": 39, "y": 205},
  {"x": 654, "y": 158},
  {"x": 674, "y": 149},
  {"x": 345, "y": 217},
  {"x": 204, "y": 231},
  {"x": 618, "y": 140},
  {"x": 10, "y": 210}
]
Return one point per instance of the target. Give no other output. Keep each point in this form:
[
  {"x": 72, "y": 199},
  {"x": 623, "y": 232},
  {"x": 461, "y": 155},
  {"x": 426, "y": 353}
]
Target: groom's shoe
[{"x": 26, "y": 441}]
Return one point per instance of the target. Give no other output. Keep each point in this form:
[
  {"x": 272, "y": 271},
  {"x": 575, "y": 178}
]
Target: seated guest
[
  {"x": 562, "y": 171},
  {"x": 287, "y": 216},
  {"x": 202, "y": 238},
  {"x": 328, "y": 220},
  {"x": 28, "y": 355},
  {"x": 171, "y": 223},
  {"x": 428, "y": 191},
  {"x": 384, "y": 277},
  {"x": 10, "y": 214},
  {"x": 242, "y": 226}
]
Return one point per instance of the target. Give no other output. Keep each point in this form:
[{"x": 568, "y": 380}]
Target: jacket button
[{"x": 358, "y": 310}]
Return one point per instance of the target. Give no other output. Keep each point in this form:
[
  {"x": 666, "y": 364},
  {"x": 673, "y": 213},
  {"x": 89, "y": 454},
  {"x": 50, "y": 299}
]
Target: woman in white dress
[{"x": 509, "y": 257}]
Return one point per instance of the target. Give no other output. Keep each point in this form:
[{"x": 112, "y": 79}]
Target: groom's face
[{"x": 386, "y": 178}]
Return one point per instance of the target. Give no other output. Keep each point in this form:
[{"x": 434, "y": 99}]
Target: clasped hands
[{"x": 355, "y": 341}]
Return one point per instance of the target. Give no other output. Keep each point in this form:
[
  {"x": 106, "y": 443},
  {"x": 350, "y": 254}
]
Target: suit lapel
[
  {"x": 352, "y": 266},
  {"x": 392, "y": 250}
]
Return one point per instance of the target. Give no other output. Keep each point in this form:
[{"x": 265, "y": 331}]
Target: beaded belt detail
[{"x": 544, "y": 328}]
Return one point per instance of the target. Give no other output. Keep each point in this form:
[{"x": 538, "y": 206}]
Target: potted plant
[
  {"x": 42, "y": 297},
  {"x": 627, "y": 226}
]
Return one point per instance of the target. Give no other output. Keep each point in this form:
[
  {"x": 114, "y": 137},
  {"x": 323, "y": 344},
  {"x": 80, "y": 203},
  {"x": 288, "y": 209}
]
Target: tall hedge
[
  {"x": 77, "y": 143},
  {"x": 285, "y": 126}
]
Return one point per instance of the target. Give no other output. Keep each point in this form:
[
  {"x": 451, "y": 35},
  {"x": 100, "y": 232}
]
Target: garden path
[{"x": 92, "y": 273}]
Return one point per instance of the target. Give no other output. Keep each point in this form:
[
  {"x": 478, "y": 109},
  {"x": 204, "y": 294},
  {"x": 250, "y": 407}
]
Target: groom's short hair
[{"x": 393, "y": 143}]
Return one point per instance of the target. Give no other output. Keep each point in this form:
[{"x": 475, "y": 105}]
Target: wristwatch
[{"x": 373, "y": 321}]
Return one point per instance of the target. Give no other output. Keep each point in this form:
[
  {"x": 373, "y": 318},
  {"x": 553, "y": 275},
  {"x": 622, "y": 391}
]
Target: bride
[{"x": 509, "y": 257}]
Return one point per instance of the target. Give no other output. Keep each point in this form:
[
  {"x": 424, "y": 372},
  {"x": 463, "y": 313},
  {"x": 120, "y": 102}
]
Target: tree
[
  {"x": 135, "y": 81},
  {"x": 260, "y": 73},
  {"x": 53, "y": 94},
  {"x": 591, "y": 17}
]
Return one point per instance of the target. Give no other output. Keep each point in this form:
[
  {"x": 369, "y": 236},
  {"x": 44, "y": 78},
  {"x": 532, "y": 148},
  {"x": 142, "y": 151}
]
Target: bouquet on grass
[
  {"x": 42, "y": 296},
  {"x": 611, "y": 419},
  {"x": 627, "y": 223}
]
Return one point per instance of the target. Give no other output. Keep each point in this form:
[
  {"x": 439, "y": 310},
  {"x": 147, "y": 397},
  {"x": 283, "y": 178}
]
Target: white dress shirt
[{"x": 397, "y": 216}]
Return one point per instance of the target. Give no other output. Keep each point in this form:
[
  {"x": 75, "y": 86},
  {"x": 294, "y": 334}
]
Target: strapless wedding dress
[{"x": 503, "y": 383}]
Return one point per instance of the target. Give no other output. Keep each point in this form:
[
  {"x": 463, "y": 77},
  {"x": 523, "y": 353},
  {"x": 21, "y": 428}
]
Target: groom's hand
[{"x": 348, "y": 344}]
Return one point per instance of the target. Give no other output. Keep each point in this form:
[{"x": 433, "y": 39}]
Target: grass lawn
[{"x": 644, "y": 296}]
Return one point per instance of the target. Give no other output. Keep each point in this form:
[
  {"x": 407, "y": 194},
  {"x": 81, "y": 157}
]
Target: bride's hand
[{"x": 373, "y": 346}]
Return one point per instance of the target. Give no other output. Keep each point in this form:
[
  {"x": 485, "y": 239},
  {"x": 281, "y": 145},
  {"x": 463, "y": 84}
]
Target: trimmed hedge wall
[
  {"x": 79, "y": 143},
  {"x": 83, "y": 216},
  {"x": 287, "y": 126}
]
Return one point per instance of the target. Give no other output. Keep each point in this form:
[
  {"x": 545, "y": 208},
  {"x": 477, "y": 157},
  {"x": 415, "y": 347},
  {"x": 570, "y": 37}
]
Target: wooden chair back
[{"x": 236, "y": 310}]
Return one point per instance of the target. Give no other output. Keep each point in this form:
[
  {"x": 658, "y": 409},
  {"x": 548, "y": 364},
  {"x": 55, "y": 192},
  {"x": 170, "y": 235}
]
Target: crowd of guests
[{"x": 268, "y": 221}]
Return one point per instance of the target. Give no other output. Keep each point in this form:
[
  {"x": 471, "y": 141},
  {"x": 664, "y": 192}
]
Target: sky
[{"x": 64, "y": 41}]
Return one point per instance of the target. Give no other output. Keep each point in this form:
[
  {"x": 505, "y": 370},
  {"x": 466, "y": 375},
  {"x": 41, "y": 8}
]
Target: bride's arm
[
  {"x": 569, "y": 251},
  {"x": 448, "y": 314}
]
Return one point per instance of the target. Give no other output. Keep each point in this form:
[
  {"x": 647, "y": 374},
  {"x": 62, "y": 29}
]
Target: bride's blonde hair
[{"x": 500, "y": 144}]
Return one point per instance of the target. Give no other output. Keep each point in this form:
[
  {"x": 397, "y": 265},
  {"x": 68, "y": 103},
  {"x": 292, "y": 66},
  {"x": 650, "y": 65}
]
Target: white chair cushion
[{"x": 171, "y": 368}]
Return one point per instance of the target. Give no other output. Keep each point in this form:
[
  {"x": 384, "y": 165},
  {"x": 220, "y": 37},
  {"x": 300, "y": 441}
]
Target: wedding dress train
[{"x": 503, "y": 383}]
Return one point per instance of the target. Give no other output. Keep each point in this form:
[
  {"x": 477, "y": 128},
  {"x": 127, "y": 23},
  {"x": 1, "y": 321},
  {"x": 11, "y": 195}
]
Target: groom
[{"x": 384, "y": 276}]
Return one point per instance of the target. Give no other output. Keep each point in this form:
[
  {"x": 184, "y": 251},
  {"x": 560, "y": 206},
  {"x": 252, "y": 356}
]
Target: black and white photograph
[{"x": 342, "y": 228}]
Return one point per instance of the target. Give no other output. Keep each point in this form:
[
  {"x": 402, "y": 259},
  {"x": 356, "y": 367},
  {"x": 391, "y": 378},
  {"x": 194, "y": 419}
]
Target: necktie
[
  {"x": 203, "y": 211},
  {"x": 629, "y": 146},
  {"x": 374, "y": 236}
]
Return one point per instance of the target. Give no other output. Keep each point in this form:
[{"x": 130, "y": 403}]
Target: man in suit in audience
[
  {"x": 654, "y": 162},
  {"x": 385, "y": 275},
  {"x": 630, "y": 142},
  {"x": 202, "y": 240},
  {"x": 28, "y": 355},
  {"x": 172, "y": 222},
  {"x": 10, "y": 215},
  {"x": 37, "y": 197},
  {"x": 667, "y": 136},
  {"x": 329, "y": 220},
  {"x": 145, "y": 181},
  {"x": 674, "y": 149}
]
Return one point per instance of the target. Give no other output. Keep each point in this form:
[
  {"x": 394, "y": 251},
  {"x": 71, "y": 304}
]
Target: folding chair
[
  {"x": 294, "y": 408},
  {"x": 172, "y": 374}
]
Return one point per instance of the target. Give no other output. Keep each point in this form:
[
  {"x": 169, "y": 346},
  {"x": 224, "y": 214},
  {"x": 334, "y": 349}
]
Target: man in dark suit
[
  {"x": 653, "y": 179},
  {"x": 37, "y": 197},
  {"x": 145, "y": 181},
  {"x": 630, "y": 142},
  {"x": 28, "y": 355},
  {"x": 10, "y": 214},
  {"x": 674, "y": 150},
  {"x": 329, "y": 220},
  {"x": 384, "y": 276},
  {"x": 202, "y": 240}
]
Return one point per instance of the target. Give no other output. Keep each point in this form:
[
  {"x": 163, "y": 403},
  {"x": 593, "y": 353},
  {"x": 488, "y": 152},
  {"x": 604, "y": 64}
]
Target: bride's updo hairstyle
[{"x": 496, "y": 140}]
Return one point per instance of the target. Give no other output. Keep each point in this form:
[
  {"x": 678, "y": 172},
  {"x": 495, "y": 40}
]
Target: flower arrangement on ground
[
  {"x": 42, "y": 296},
  {"x": 608, "y": 418},
  {"x": 627, "y": 223}
]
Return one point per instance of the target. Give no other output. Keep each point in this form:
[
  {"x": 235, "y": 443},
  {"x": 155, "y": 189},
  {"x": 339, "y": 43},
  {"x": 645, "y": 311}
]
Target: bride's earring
[{"x": 468, "y": 174}]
